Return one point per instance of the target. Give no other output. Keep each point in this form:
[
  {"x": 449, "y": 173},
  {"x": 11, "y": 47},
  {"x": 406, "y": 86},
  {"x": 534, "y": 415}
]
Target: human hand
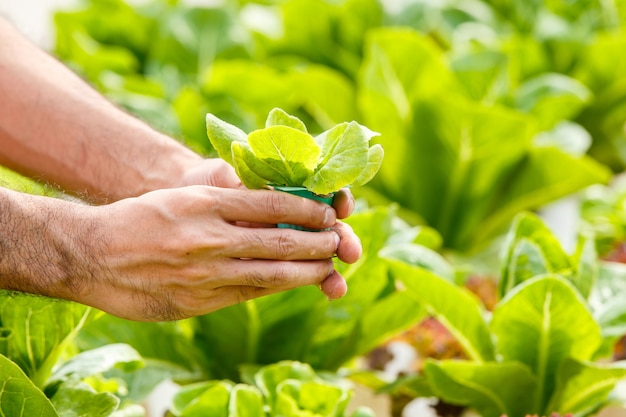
[
  {"x": 218, "y": 173},
  {"x": 182, "y": 252}
]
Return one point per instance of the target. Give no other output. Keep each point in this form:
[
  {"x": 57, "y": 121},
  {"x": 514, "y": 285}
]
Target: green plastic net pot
[{"x": 303, "y": 192}]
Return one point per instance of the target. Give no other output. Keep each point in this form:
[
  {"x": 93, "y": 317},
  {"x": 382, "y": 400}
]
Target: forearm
[
  {"x": 56, "y": 128},
  {"x": 39, "y": 252}
]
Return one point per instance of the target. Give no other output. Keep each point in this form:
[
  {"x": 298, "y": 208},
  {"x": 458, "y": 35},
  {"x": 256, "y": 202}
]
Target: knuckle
[
  {"x": 282, "y": 275},
  {"x": 254, "y": 279},
  {"x": 285, "y": 246},
  {"x": 276, "y": 205},
  {"x": 325, "y": 269}
]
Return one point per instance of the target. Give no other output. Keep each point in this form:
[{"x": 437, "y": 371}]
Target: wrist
[
  {"x": 41, "y": 251},
  {"x": 168, "y": 169}
]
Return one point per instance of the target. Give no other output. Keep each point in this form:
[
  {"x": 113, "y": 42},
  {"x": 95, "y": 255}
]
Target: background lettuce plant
[
  {"x": 539, "y": 351},
  {"x": 287, "y": 388},
  {"x": 40, "y": 372}
]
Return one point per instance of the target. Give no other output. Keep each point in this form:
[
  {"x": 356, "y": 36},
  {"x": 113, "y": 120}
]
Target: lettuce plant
[
  {"x": 36, "y": 375},
  {"x": 285, "y": 154},
  {"x": 286, "y": 388},
  {"x": 539, "y": 351}
]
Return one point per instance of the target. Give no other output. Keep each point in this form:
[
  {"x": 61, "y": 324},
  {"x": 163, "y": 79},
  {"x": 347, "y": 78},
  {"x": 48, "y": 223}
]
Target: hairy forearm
[
  {"x": 39, "y": 251},
  {"x": 55, "y": 127}
]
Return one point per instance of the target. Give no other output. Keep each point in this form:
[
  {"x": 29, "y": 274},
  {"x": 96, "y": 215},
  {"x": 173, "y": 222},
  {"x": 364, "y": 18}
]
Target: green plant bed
[{"x": 547, "y": 346}]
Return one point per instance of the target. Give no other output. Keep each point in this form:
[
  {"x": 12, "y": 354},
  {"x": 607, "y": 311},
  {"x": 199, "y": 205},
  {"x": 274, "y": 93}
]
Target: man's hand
[
  {"x": 218, "y": 173},
  {"x": 182, "y": 252}
]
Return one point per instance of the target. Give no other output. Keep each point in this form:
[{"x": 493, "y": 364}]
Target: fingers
[
  {"x": 282, "y": 244},
  {"x": 349, "y": 249},
  {"x": 278, "y": 275},
  {"x": 271, "y": 207},
  {"x": 259, "y": 284},
  {"x": 334, "y": 286},
  {"x": 343, "y": 203}
]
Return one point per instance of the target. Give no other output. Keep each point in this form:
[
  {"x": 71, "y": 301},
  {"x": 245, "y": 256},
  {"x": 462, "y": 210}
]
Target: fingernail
[{"x": 337, "y": 240}]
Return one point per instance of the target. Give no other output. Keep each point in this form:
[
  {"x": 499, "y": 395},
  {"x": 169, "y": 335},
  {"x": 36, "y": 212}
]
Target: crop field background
[{"x": 493, "y": 275}]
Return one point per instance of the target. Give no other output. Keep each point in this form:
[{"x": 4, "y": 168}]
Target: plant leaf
[
  {"x": 586, "y": 262},
  {"x": 40, "y": 330},
  {"x": 531, "y": 249},
  {"x": 310, "y": 398},
  {"x": 607, "y": 299},
  {"x": 269, "y": 378},
  {"x": 78, "y": 399},
  {"x": 213, "y": 401},
  {"x": 343, "y": 158},
  {"x": 245, "y": 401},
  {"x": 458, "y": 310},
  {"x": 420, "y": 256},
  {"x": 546, "y": 174},
  {"x": 375, "y": 156},
  {"x": 552, "y": 97},
  {"x": 582, "y": 385},
  {"x": 541, "y": 322},
  {"x": 291, "y": 152},
  {"x": 279, "y": 117},
  {"x": 243, "y": 159},
  {"x": 493, "y": 389},
  {"x": 97, "y": 361},
  {"x": 19, "y": 396},
  {"x": 222, "y": 135}
]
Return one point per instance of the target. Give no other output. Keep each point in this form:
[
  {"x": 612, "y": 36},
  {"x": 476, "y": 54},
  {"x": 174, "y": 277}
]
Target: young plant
[
  {"x": 287, "y": 388},
  {"x": 285, "y": 154}
]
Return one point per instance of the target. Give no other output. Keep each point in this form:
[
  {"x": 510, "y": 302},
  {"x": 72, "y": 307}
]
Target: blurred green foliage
[{"x": 485, "y": 108}]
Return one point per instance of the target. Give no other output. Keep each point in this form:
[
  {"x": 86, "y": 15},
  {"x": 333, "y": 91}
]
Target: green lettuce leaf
[
  {"x": 77, "y": 399},
  {"x": 344, "y": 156},
  {"x": 290, "y": 152},
  {"x": 375, "y": 156},
  {"x": 41, "y": 329},
  {"x": 19, "y": 396},
  {"x": 582, "y": 385},
  {"x": 203, "y": 399},
  {"x": 458, "y": 310},
  {"x": 253, "y": 172},
  {"x": 493, "y": 389},
  {"x": 540, "y": 323},
  {"x": 279, "y": 117},
  {"x": 531, "y": 249},
  {"x": 246, "y": 401},
  {"x": 97, "y": 361},
  {"x": 222, "y": 135}
]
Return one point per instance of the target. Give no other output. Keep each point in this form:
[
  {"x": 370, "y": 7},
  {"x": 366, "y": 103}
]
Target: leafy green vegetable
[
  {"x": 547, "y": 314},
  {"x": 287, "y": 388},
  {"x": 493, "y": 388},
  {"x": 34, "y": 344},
  {"x": 459, "y": 310},
  {"x": 285, "y": 154},
  {"x": 18, "y": 395},
  {"x": 536, "y": 353},
  {"x": 75, "y": 398},
  {"x": 477, "y": 162}
]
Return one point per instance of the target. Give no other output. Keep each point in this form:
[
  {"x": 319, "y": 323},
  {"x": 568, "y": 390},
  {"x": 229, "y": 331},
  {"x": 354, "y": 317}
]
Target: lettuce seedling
[{"x": 285, "y": 154}]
